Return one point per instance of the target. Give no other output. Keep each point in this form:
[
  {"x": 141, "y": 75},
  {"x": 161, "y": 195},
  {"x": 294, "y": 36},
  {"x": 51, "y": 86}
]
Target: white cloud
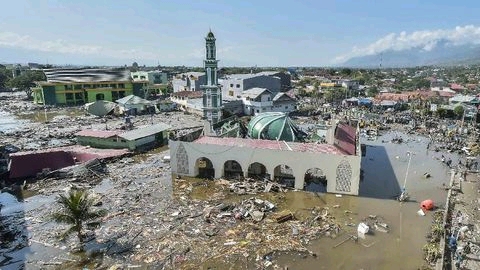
[
  {"x": 26, "y": 42},
  {"x": 426, "y": 39},
  {"x": 9, "y": 39}
]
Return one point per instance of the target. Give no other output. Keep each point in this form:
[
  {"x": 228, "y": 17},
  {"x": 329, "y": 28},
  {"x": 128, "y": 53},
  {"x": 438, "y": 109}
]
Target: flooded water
[
  {"x": 9, "y": 122},
  {"x": 385, "y": 170},
  {"x": 42, "y": 116}
]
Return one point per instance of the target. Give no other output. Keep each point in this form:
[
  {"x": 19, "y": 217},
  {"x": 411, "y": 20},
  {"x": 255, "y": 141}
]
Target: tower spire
[{"x": 212, "y": 95}]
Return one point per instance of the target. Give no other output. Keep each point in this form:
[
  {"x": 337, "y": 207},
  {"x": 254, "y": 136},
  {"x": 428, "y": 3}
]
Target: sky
[{"x": 249, "y": 33}]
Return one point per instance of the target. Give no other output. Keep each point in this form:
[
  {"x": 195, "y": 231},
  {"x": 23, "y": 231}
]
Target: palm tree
[{"x": 76, "y": 209}]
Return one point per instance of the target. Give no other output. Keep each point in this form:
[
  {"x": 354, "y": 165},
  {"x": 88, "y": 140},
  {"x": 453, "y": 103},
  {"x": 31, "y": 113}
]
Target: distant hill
[{"x": 443, "y": 54}]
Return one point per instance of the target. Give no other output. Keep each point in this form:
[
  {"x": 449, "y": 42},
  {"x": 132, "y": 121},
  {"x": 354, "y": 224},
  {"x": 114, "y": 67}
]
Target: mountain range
[{"x": 443, "y": 54}]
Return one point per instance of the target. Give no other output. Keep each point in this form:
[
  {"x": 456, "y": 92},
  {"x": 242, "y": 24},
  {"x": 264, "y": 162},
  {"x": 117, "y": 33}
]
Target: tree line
[{"x": 22, "y": 82}]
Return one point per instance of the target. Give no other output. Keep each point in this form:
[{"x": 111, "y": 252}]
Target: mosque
[{"x": 273, "y": 147}]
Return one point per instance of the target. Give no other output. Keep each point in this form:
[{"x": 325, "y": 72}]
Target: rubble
[
  {"x": 154, "y": 222},
  {"x": 253, "y": 186}
]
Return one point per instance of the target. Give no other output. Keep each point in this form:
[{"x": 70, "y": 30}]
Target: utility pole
[{"x": 404, "y": 196}]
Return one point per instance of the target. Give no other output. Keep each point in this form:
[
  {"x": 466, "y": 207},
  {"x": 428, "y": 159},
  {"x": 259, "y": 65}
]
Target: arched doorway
[
  {"x": 284, "y": 175},
  {"x": 232, "y": 170},
  {"x": 100, "y": 96},
  {"x": 205, "y": 168},
  {"x": 315, "y": 180},
  {"x": 258, "y": 170}
]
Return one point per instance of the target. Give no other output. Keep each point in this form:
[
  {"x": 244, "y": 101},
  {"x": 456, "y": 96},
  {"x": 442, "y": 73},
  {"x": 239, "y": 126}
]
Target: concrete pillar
[
  {"x": 299, "y": 179},
  {"x": 218, "y": 166},
  {"x": 271, "y": 171}
]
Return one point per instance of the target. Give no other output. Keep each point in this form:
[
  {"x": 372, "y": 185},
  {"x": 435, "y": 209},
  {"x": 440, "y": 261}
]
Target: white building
[
  {"x": 189, "y": 81},
  {"x": 153, "y": 77},
  {"x": 259, "y": 100},
  {"x": 233, "y": 85},
  {"x": 352, "y": 85},
  {"x": 190, "y": 101},
  {"x": 212, "y": 157}
]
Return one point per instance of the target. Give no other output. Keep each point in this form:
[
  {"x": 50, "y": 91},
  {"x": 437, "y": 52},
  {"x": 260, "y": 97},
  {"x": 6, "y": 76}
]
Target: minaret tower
[{"x": 212, "y": 96}]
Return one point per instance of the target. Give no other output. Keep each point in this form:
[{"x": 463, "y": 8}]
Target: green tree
[
  {"x": 441, "y": 112},
  {"x": 334, "y": 94},
  {"x": 5, "y": 76},
  {"x": 372, "y": 91},
  {"x": 77, "y": 210},
  {"x": 26, "y": 81},
  {"x": 458, "y": 110}
]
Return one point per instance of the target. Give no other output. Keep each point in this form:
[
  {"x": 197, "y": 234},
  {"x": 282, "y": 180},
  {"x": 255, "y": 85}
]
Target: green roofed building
[
  {"x": 80, "y": 86},
  {"x": 274, "y": 126}
]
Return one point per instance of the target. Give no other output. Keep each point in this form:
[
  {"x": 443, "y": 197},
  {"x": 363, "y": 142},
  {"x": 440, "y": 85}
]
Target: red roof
[
  {"x": 98, "y": 133},
  {"x": 456, "y": 86},
  {"x": 29, "y": 163},
  {"x": 345, "y": 138},
  {"x": 273, "y": 145}
]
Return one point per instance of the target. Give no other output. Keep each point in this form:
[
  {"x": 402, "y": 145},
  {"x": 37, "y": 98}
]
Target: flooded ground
[
  {"x": 144, "y": 212},
  {"x": 8, "y": 121},
  {"x": 385, "y": 167},
  {"x": 42, "y": 116}
]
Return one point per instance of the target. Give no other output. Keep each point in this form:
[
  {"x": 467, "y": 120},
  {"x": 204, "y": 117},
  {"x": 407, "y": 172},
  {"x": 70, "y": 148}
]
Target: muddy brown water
[
  {"x": 42, "y": 116},
  {"x": 385, "y": 170},
  {"x": 385, "y": 167}
]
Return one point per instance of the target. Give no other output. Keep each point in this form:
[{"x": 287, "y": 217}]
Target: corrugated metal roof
[
  {"x": 98, "y": 133},
  {"x": 272, "y": 145},
  {"x": 255, "y": 92},
  {"x": 100, "y": 107},
  {"x": 132, "y": 99},
  {"x": 144, "y": 131},
  {"x": 26, "y": 164}
]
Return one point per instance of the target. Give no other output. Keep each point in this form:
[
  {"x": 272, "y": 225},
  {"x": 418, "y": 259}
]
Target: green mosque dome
[{"x": 274, "y": 126}]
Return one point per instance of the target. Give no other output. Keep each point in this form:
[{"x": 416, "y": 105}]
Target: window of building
[
  {"x": 268, "y": 98},
  {"x": 68, "y": 87},
  {"x": 142, "y": 77},
  {"x": 230, "y": 93},
  {"x": 69, "y": 96},
  {"x": 238, "y": 85},
  {"x": 121, "y": 85},
  {"x": 135, "y": 76},
  {"x": 231, "y": 85},
  {"x": 286, "y": 107},
  {"x": 100, "y": 97},
  {"x": 78, "y": 96},
  {"x": 86, "y": 86},
  {"x": 114, "y": 95},
  {"x": 113, "y": 85},
  {"x": 121, "y": 94},
  {"x": 77, "y": 86},
  {"x": 258, "y": 110}
]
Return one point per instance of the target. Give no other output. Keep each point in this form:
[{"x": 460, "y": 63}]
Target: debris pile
[{"x": 253, "y": 186}]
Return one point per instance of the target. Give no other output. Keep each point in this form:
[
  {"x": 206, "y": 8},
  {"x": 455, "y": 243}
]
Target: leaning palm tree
[{"x": 77, "y": 210}]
